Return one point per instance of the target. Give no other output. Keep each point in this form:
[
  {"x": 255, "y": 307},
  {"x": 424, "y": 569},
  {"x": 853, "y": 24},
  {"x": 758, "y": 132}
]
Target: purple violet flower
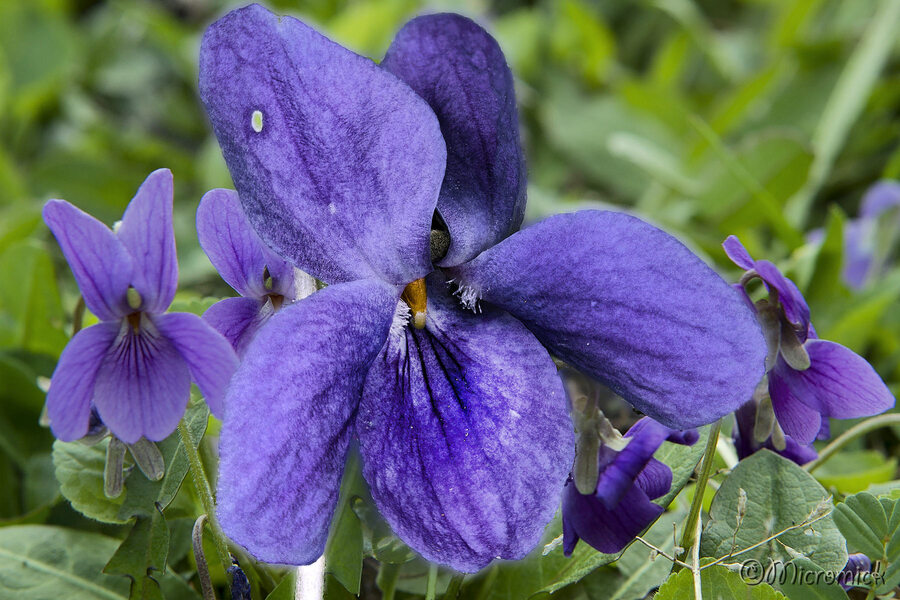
[
  {"x": 399, "y": 184},
  {"x": 265, "y": 281},
  {"x": 136, "y": 365},
  {"x": 862, "y": 256},
  {"x": 745, "y": 442},
  {"x": 630, "y": 478},
  {"x": 857, "y": 565},
  {"x": 808, "y": 378}
]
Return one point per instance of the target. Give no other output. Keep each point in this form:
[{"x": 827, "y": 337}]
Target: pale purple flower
[
  {"x": 265, "y": 281},
  {"x": 621, "y": 507},
  {"x": 399, "y": 185},
  {"x": 808, "y": 378},
  {"x": 136, "y": 365},
  {"x": 862, "y": 256}
]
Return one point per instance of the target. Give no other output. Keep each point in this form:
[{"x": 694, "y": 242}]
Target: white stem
[
  {"x": 695, "y": 562},
  {"x": 311, "y": 581}
]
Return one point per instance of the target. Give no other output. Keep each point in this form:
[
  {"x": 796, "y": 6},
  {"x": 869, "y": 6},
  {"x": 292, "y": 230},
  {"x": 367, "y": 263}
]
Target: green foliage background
[{"x": 761, "y": 118}]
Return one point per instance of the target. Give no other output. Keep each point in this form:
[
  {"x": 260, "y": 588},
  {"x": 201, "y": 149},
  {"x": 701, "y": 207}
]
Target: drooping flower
[
  {"x": 808, "y": 378},
  {"x": 265, "y": 281},
  {"x": 865, "y": 250},
  {"x": 753, "y": 431},
  {"x": 630, "y": 478},
  {"x": 136, "y": 365},
  {"x": 386, "y": 182}
]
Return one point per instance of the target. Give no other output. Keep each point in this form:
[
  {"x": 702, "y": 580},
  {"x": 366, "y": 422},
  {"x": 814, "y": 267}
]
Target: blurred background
[{"x": 768, "y": 119}]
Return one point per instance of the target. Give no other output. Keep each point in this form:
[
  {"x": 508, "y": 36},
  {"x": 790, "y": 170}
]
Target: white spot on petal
[
  {"x": 332, "y": 208},
  {"x": 401, "y": 319},
  {"x": 256, "y": 121}
]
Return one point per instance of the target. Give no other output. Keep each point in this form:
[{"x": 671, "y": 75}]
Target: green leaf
[
  {"x": 847, "y": 101},
  {"x": 854, "y": 471},
  {"x": 825, "y": 283},
  {"x": 79, "y": 470},
  {"x": 344, "y": 551},
  {"x": 142, "y": 556},
  {"x": 871, "y": 525},
  {"x": 285, "y": 588},
  {"x": 31, "y": 313},
  {"x": 641, "y": 574},
  {"x": 143, "y": 497},
  {"x": 804, "y": 587},
  {"x": 715, "y": 582},
  {"x": 780, "y": 495},
  {"x": 44, "y": 563}
]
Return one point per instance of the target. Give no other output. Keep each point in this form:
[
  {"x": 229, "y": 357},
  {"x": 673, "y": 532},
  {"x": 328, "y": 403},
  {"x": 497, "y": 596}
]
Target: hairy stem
[
  {"x": 709, "y": 454},
  {"x": 201, "y": 483},
  {"x": 850, "y": 435}
]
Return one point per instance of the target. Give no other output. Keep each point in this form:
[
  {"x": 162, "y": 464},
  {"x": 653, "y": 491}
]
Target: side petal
[
  {"x": 144, "y": 385},
  {"x": 72, "y": 384},
  {"x": 238, "y": 319},
  {"x": 735, "y": 250},
  {"x": 644, "y": 438},
  {"x": 337, "y": 162},
  {"x": 464, "y": 435},
  {"x": 235, "y": 249},
  {"x": 839, "y": 383},
  {"x": 629, "y": 305},
  {"x": 607, "y": 530},
  {"x": 146, "y": 231},
  {"x": 796, "y": 418},
  {"x": 289, "y": 419},
  {"x": 100, "y": 263},
  {"x": 459, "y": 69},
  {"x": 879, "y": 198},
  {"x": 208, "y": 355}
]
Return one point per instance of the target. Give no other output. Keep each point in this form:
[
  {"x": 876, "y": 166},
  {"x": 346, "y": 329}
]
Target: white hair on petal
[
  {"x": 468, "y": 297},
  {"x": 401, "y": 319}
]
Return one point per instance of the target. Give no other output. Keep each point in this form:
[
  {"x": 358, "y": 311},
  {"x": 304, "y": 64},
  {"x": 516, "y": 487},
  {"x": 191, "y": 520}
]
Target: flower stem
[
  {"x": 387, "y": 580},
  {"x": 454, "y": 586},
  {"x": 851, "y": 434},
  {"x": 431, "y": 583},
  {"x": 78, "y": 316},
  {"x": 201, "y": 483},
  {"x": 709, "y": 454}
]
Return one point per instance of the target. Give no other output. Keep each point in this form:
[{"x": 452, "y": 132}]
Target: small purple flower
[
  {"x": 265, "y": 281},
  {"x": 745, "y": 435},
  {"x": 621, "y": 507},
  {"x": 862, "y": 256},
  {"x": 134, "y": 367},
  {"x": 857, "y": 565},
  {"x": 400, "y": 185},
  {"x": 808, "y": 378}
]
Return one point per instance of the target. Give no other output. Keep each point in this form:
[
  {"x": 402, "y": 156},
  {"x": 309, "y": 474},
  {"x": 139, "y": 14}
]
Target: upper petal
[
  {"x": 146, "y": 231},
  {"x": 630, "y": 305},
  {"x": 838, "y": 383},
  {"x": 337, "y": 162},
  {"x": 100, "y": 263},
  {"x": 735, "y": 250},
  {"x": 289, "y": 419},
  {"x": 144, "y": 385},
  {"x": 235, "y": 249},
  {"x": 795, "y": 308},
  {"x": 72, "y": 385},
  {"x": 238, "y": 319},
  {"x": 464, "y": 435},
  {"x": 459, "y": 69},
  {"x": 208, "y": 354}
]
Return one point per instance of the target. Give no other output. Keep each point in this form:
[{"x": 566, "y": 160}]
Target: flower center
[{"x": 414, "y": 295}]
